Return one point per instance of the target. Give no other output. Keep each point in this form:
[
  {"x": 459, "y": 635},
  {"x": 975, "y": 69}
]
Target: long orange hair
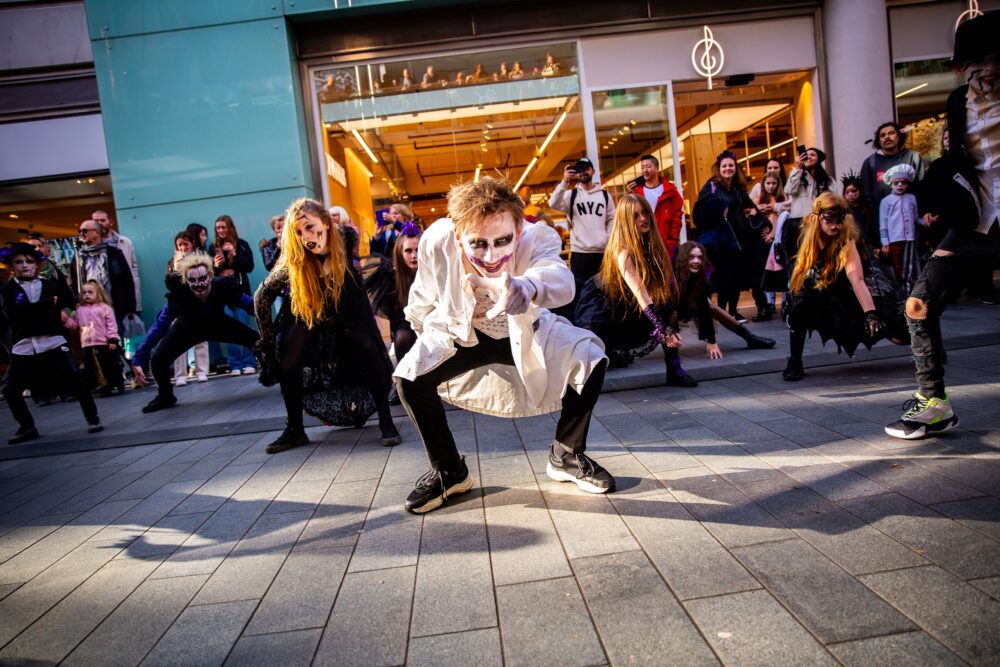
[
  {"x": 645, "y": 249},
  {"x": 312, "y": 278},
  {"x": 834, "y": 255}
]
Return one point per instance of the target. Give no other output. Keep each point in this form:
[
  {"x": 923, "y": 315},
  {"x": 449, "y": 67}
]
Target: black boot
[
  {"x": 289, "y": 438},
  {"x": 793, "y": 371},
  {"x": 160, "y": 402},
  {"x": 390, "y": 436},
  {"x": 754, "y": 342},
  {"x": 677, "y": 376},
  {"x": 764, "y": 314},
  {"x": 24, "y": 434}
]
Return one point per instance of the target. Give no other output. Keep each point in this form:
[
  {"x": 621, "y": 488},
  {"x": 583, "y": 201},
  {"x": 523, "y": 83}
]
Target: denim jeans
[{"x": 239, "y": 357}]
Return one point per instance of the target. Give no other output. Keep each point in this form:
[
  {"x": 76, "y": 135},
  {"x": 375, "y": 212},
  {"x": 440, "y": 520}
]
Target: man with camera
[
  {"x": 664, "y": 198},
  {"x": 590, "y": 213}
]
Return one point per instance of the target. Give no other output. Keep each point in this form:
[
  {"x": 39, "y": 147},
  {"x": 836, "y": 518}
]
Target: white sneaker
[
  {"x": 180, "y": 382},
  {"x": 923, "y": 416},
  {"x": 235, "y": 371},
  {"x": 202, "y": 377},
  {"x": 249, "y": 370}
]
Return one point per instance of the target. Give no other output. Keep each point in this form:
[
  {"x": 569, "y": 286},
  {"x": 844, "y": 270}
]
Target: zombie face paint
[
  {"x": 695, "y": 260},
  {"x": 852, "y": 194},
  {"x": 490, "y": 244},
  {"x": 899, "y": 186},
  {"x": 982, "y": 77},
  {"x": 315, "y": 235},
  {"x": 25, "y": 267},
  {"x": 199, "y": 281},
  {"x": 410, "y": 245}
]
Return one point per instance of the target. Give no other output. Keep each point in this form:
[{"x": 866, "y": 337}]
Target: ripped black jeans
[{"x": 942, "y": 279}]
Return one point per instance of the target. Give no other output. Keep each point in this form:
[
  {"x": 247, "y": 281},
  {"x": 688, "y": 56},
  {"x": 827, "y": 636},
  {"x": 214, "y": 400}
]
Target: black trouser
[
  {"x": 181, "y": 337},
  {"x": 584, "y": 265},
  {"x": 422, "y": 403},
  {"x": 939, "y": 283},
  {"x": 59, "y": 371},
  {"x": 403, "y": 339},
  {"x": 365, "y": 353},
  {"x": 729, "y": 300},
  {"x": 107, "y": 359}
]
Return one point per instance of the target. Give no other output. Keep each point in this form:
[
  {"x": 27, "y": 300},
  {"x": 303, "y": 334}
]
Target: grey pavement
[{"x": 755, "y": 522}]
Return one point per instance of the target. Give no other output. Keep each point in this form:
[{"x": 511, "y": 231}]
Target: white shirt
[
  {"x": 983, "y": 142},
  {"x": 35, "y": 344},
  {"x": 653, "y": 194}
]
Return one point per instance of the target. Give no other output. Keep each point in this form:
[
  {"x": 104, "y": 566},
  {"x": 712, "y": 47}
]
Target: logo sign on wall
[
  {"x": 972, "y": 12},
  {"x": 704, "y": 59},
  {"x": 335, "y": 170}
]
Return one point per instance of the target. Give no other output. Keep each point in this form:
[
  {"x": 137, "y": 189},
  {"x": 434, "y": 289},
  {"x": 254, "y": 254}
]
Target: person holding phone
[
  {"x": 232, "y": 257},
  {"x": 665, "y": 200},
  {"x": 807, "y": 181}
]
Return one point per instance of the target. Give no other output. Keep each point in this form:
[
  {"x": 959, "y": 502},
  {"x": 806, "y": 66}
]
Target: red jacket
[{"x": 669, "y": 211}]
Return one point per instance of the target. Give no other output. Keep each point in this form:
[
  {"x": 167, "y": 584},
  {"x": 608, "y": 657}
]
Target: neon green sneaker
[{"x": 923, "y": 416}]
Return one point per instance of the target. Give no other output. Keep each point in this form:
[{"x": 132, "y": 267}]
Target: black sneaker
[
  {"x": 390, "y": 436},
  {"x": 160, "y": 403},
  {"x": 680, "y": 378},
  {"x": 287, "y": 440},
  {"x": 434, "y": 488},
  {"x": 793, "y": 371},
  {"x": 24, "y": 434},
  {"x": 579, "y": 469},
  {"x": 96, "y": 427}
]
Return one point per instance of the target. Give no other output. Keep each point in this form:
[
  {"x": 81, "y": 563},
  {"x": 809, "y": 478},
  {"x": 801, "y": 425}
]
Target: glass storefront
[{"x": 922, "y": 88}]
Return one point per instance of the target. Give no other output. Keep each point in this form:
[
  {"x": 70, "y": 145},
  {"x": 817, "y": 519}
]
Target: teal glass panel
[
  {"x": 201, "y": 113},
  {"x": 118, "y": 18},
  {"x": 152, "y": 230},
  {"x": 449, "y": 98}
]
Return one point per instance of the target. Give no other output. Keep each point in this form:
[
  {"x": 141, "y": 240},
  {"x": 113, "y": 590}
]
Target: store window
[
  {"x": 922, "y": 88},
  {"x": 405, "y": 131}
]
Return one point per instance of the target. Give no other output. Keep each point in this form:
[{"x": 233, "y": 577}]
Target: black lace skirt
[{"x": 624, "y": 330}]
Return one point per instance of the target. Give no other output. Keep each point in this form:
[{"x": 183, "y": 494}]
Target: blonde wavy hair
[
  {"x": 312, "y": 278},
  {"x": 834, "y": 255},
  {"x": 646, "y": 250},
  {"x": 192, "y": 260}
]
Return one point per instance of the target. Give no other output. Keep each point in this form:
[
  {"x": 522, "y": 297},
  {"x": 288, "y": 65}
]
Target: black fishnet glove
[{"x": 874, "y": 326}]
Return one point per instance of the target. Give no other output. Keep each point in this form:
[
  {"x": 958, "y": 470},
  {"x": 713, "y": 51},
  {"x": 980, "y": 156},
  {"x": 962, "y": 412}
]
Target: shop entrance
[{"x": 405, "y": 131}]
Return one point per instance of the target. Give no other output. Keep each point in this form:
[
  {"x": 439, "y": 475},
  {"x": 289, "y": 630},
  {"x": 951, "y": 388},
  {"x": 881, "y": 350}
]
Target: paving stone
[
  {"x": 272, "y": 476},
  {"x": 55, "y": 634},
  {"x": 303, "y": 592},
  {"x": 524, "y": 545},
  {"x": 202, "y": 635},
  {"x": 390, "y": 537},
  {"x": 407, "y": 462},
  {"x": 454, "y": 586},
  {"x": 954, "y": 613},
  {"x": 165, "y": 536},
  {"x": 248, "y": 570},
  {"x": 151, "y": 482},
  {"x": 326, "y": 460},
  {"x": 286, "y": 648},
  {"x": 663, "y": 455},
  {"x": 370, "y": 620},
  {"x": 146, "y": 512},
  {"x": 496, "y": 436},
  {"x": 631, "y": 429},
  {"x": 496, "y": 473},
  {"x": 364, "y": 462},
  {"x": 586, "y": 523},
  {"x": 958, "y": 549},
  {"x": 909, "y": 648},
  {"x": 913, "y": 481},
  {"x": 457, "y": 649},
  {"x": 137, "y": 624},
  {"x": 340, "y": 516},
  {"x": 298, "y": 496},
  {"x": 989, "y": 585},
  {"x": 527, "y": 613},
  {"x": 827, "y": 600},
  {"x": 753, "y": 629},
  {"x": 7, "y": 589},
  {"x": 203, "y": 551},
  {"x": 627, "y": 599},
  {"x": 214, "y": 493},
  {"x": 980, "y": 514}
]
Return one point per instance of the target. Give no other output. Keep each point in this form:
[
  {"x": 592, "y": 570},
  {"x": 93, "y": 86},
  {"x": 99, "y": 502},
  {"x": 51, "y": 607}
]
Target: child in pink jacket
[{"x": 99, "y": 339}]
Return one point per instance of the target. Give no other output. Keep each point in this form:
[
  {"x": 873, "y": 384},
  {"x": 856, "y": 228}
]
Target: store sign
[
  {"x": 972, "y": 12},
  {"x": 335, "y": 170},
  {"x": 703, "y": 57}
]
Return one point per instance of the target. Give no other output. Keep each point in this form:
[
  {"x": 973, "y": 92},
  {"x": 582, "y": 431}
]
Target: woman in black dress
[{"x": 324, "y": 349}]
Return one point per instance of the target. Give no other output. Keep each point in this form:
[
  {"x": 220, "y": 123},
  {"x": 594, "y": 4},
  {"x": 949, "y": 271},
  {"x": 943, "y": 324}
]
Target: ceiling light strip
[
  {"x": 361, "y": 140},
  {"x": 525, "y": 174},
  {"x": 912, "y": 90},
  {"x": 764, "y": 150},
  {"x": 552, "y": 132}
]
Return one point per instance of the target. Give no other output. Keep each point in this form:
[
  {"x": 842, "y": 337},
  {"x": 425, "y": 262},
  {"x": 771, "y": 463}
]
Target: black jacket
[
  {"x": 241, "y": 264},
  {"x": 122, "y": 286},
  {"x": 41, "y": 318}
]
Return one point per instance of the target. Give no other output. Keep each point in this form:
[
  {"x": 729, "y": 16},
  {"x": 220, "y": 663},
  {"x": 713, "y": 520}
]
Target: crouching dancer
[
  {"x": 488, "y": 343},
  {"x": 194, "y": 313},
  {"x": 32, "y": 308}
]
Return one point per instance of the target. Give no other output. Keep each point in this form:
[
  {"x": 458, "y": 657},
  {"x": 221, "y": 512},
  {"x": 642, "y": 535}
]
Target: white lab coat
[{"x": 549, "y": 352}]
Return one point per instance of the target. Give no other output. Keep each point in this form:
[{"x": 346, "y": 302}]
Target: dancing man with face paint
[
  {"x": 324, "y": 349},
  {"x": 488, "y": 343},
  {"x": 32, "y": 308},
  {"x": 194, "y": 313},
  {"x": 974, "y": 211}
]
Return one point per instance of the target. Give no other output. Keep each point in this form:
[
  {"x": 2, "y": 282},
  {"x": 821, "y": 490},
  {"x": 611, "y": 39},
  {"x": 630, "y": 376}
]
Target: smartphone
[
  {"x": 800, "y": 149},
  {"x": 639, "y": 181}
]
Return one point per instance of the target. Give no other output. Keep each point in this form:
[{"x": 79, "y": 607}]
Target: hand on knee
[{"x": 916, "y": 309}]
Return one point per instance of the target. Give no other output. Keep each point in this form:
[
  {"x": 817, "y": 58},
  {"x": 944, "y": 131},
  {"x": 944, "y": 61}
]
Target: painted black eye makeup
[{"x": 483, "y": 244}]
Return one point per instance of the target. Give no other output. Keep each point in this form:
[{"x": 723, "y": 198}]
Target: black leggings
[
  {"x": 403, "y": 340},
  {"x": 366, "y": 351},
  {"x": 728, "y": 300}
]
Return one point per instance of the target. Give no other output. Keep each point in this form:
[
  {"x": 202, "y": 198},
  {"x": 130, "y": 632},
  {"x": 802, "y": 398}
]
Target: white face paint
[
  {"x": 982, "y": 77},
  {"x": 198, "y": 280},
  {"x": 899, "y": 186},
  {"x": 695, "y": 260},
  {"x": 25, "y": 267},
  {"x": 491, "y": 244},
  {"x": 315, "y": 235},
  {"x": 409, "y": 250}
]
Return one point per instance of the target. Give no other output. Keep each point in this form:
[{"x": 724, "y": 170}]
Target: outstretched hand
[
  {"x": 512, "y": 295},
  {"x": 140, "y": 376}
]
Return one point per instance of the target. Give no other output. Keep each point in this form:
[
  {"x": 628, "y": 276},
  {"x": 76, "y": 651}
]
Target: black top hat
[
  {"x": 20, "y": 248},
  {"x": 976, "y": 39}
]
